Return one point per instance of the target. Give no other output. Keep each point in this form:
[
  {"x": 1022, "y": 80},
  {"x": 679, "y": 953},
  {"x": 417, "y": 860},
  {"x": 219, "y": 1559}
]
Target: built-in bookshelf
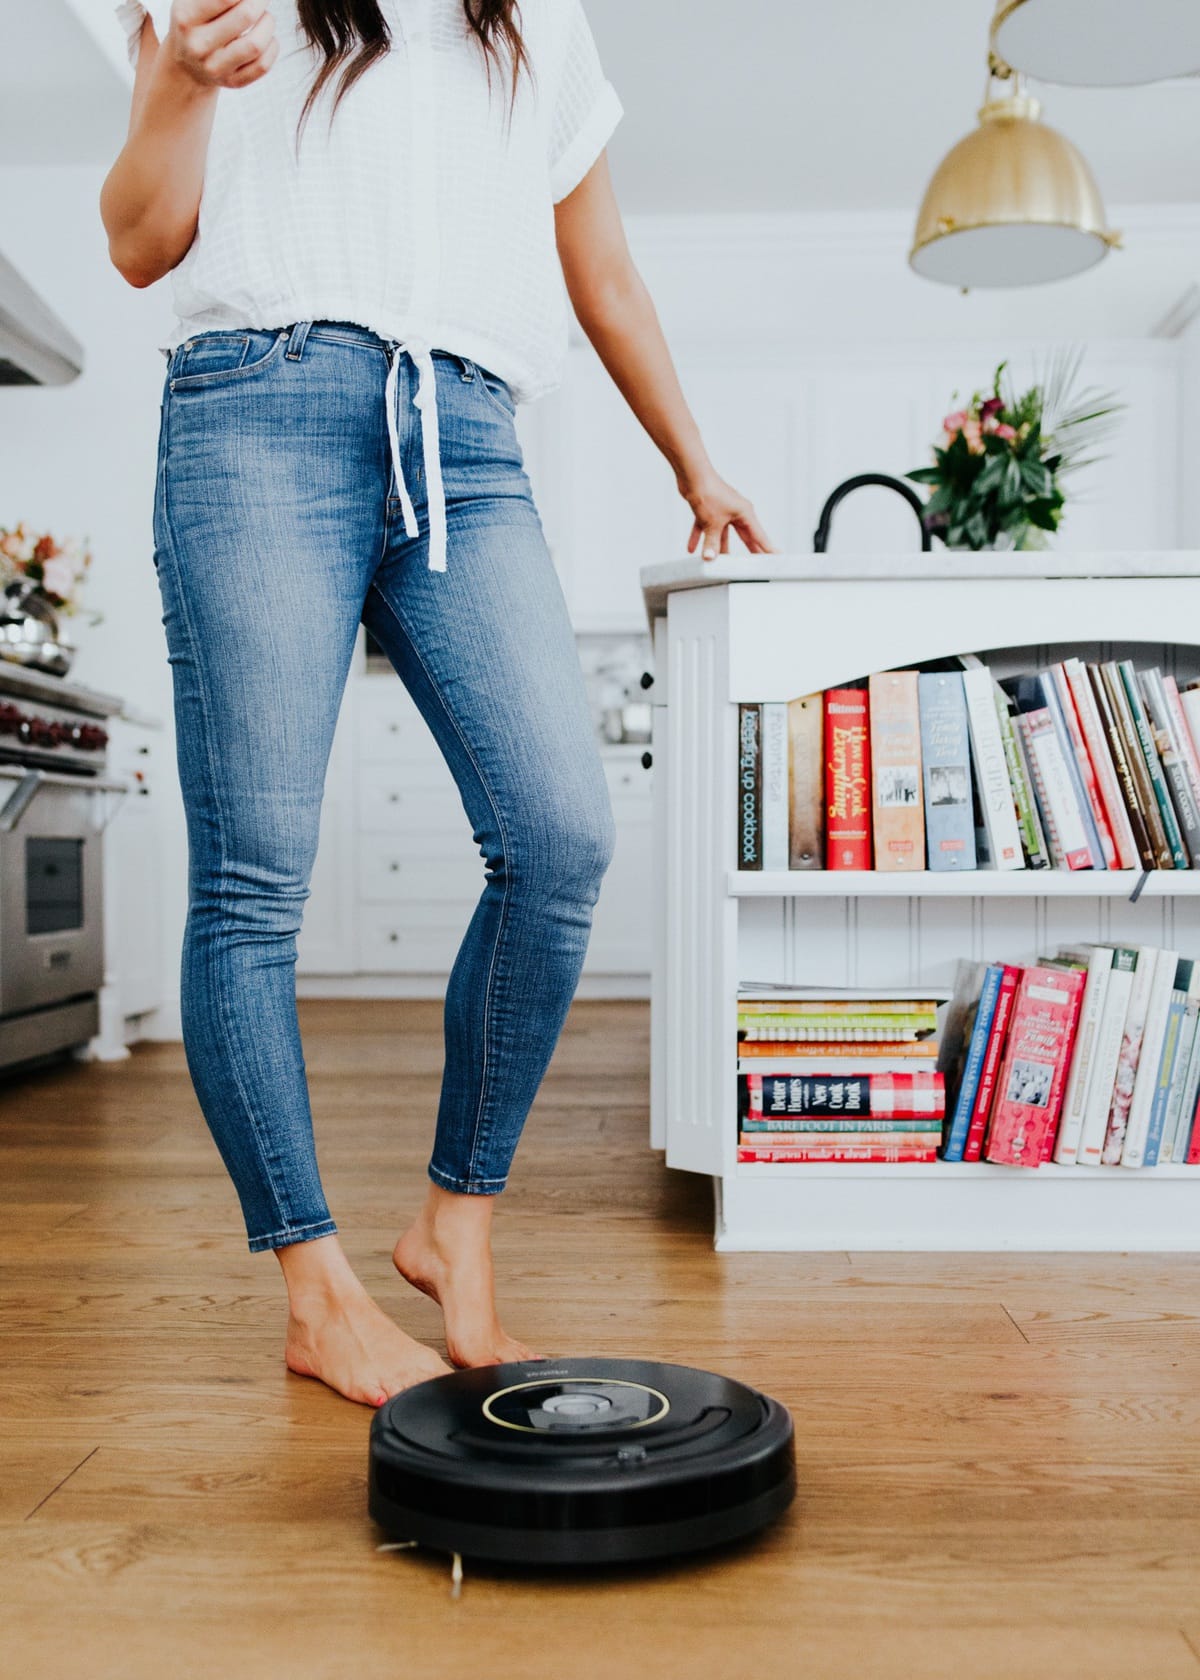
[{"x": 742, "y": 631}]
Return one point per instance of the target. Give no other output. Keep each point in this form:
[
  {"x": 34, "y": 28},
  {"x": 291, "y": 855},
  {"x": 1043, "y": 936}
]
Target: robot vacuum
[{"x": 579, "y": 1461}]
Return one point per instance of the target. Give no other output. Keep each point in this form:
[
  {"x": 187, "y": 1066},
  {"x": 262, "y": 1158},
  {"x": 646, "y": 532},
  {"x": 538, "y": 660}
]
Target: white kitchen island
[{"x": 761, "y": 628}]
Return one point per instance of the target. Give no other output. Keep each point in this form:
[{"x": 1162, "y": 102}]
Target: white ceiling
[
  {"x": 764, "y": 105},
  {"x": 846, "y": 104}
]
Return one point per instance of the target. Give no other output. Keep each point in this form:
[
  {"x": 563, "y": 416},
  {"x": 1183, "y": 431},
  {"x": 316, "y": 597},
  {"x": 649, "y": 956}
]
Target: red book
[
  {"x": 847, "y": 779},
  {"x": 830, "y": 1096},
  {"x": 977, "y": 1126},
  {"x": 1034, "y": 1072}
]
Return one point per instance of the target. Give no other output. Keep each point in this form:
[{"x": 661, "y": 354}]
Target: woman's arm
[
  {"x": 150, "y": 200},
  {"x": 617, "y": 313}
]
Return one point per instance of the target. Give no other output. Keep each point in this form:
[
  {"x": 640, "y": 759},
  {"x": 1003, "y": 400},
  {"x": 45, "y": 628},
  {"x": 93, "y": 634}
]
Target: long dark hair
[{"x": 352, "y": 34}]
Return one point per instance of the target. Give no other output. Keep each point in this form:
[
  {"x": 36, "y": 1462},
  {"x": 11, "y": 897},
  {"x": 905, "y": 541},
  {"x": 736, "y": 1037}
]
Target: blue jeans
[{"x": 277, "y": 529}]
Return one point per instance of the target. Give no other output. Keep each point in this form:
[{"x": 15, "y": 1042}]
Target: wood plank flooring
[{"x": 999, "y": 1456}]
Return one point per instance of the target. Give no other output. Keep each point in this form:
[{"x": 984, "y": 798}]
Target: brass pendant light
[
  {"x": 1099, "y": 43},
  {"x": 1012, "y": 204}
]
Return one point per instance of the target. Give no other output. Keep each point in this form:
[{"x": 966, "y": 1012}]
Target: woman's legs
[
  {"x": 487, "y": 651},
  {"x": 268, "y": 524}
]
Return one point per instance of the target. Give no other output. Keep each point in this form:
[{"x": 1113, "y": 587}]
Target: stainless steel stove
[{"x": 56, "y": 800}]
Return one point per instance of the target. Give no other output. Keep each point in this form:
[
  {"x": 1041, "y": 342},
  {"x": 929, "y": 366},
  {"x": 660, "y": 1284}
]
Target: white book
[
  {"x": 1146, "y": 957},
  {"x": 1189, "y": 699},
  {"x": 1146, "y": 1079},
  {"x": 991, "y": 770},
  {"x": 775, "y": 784},
  {"x": 1069, "y": 842},
  {"x": 1106, "y": 1056},
  {"x": 1099, "y": 959},
  {"x": 1179, "y": 1079},
  {"x": 1191, "y": 1094}
]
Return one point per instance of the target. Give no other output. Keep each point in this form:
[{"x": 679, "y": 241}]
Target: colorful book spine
[
  {"x": 1158, "y": 781},
  {"x": 1056, "y": 795},
  {"x": 1168, "y": 1065},
  {"x": 1034, "y": 1072},
  {"x": 806, "y": 782},
  {"x": 825, "y": 1050},
  {"x": 813, "y": 1096},
  {"x": 1183, "y": 1064},
  {"x": 749, "y": 787},
  {"x": 1096, "y": 739},
  {"x": 975, "y": 1030},
  {"x": 1130, "y": 1055},
  {"x": 1175, "y": 768},
  {"x": 1184, "y": 739},
  {"x": 849, "y": 1154},
  {"x": 1126, "y": 782},
  {"x": 1107, "y": 1055},
  {"x": 774, "y": 785},
  {"x": 1033, "y": 841},
  {"x": 1083, "y": 1060},
  {"x": 808, "y": 1130},
  {"x": 977, "y": 1128},
  {"x": 1036, "y": 692},
  {"x": 991, "y": 771},
  {"x": 1147, "y": 804},
  {"x": 1190, "y": 1092},
  {"x": 1083, "y": 760},
  {"x": 847, "y": 779},
  {"x": 946, "y": 771},
  {"x": 897, "y": 806},
  {"x": 1154, "y": 1038}
]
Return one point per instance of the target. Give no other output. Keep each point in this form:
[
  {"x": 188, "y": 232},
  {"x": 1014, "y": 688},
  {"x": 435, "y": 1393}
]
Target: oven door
[{"x": 51, "y": 886}]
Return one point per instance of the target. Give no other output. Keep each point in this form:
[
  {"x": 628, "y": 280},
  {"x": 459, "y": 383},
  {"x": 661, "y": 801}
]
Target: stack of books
[
  {"x": 1090, "y": 1057},
  {"x": 838, "y": 1075},
  {"x": 1075, "y": 766}
]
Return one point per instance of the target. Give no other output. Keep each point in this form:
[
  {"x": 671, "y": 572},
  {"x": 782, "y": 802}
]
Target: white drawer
[
  {"x": 627, "y": 779},
  {"x": 392, "y": 870},
  {"x": 402, "y": 801},
  {"x": 389, "y": 727},
  {"x": 418, "y": 939}
]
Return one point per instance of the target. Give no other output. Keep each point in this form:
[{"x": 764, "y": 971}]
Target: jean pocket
[
  {"x": 219, "y": 358},
  {"x": 495, "y": 389}
]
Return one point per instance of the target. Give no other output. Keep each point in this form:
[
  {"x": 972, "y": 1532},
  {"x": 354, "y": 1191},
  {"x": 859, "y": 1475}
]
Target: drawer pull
[{"x": 394, "y": 867}]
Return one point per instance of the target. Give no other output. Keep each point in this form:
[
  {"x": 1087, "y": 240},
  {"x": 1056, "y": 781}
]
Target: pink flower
[
  {"x": 954, "y": 422},
  {"x": 58, "y": 576},
  {"x": 973, "y": 432},
  {"x": 1008, "y": 433}
]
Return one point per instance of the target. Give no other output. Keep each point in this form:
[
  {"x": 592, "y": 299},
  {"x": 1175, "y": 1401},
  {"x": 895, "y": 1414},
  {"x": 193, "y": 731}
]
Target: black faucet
[{"x": 821, "y": 534}]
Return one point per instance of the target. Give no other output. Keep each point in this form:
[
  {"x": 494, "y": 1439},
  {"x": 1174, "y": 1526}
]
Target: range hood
[{"x": 35, "y": 347}]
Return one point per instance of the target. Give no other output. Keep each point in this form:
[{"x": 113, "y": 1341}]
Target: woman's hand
[
  {"x": 222, "y": 46},
  {"x": 719, "y": 509}
]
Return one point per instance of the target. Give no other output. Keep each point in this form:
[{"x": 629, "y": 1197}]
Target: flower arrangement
[
  {"x": 56, "y": 569},
  {"x": 1002, "y": 459}
]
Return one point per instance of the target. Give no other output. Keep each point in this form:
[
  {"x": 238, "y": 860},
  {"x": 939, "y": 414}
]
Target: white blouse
[{"x": 424, "y": 212}]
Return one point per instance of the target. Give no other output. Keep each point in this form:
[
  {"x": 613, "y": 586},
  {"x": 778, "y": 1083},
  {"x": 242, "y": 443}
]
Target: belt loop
[{"x": 298, "y": 340}]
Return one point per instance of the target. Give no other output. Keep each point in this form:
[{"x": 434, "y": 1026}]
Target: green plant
[{"x": 999, "y": 468}]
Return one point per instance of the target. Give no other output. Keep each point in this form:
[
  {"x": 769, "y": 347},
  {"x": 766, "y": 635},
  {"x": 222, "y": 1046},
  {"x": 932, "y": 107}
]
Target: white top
[{"x": 424, "y": 212}]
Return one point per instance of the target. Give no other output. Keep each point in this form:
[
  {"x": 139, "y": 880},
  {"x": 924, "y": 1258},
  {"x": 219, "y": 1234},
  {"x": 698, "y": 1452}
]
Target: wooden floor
[{"x": 998, "y": 1456}]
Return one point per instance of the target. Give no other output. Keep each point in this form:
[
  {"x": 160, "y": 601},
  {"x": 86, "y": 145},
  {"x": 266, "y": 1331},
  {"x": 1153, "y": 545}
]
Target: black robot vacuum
[{"x": 579, "y": 1461}]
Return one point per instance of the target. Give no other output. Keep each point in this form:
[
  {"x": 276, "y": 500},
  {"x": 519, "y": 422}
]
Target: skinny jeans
[{"x": 278, "y": 528}]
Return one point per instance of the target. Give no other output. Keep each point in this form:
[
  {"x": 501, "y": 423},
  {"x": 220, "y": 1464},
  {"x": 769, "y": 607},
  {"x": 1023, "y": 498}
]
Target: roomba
[{"x": 579, "y": 1461}]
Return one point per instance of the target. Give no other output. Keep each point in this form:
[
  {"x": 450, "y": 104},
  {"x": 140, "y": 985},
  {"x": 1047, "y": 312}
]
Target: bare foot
[
  {"x": 446, "y": 1253},
  {"x": 338, "y": 1335}
]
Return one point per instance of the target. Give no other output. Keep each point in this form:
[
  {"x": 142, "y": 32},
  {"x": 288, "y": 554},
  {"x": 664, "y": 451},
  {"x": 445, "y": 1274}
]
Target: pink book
[
  {"x": 1086, "y": 768},
  {"x": 1033, "y": 1076}
]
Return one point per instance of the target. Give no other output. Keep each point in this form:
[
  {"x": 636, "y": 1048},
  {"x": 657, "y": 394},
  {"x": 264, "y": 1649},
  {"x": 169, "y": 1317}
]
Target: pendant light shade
[
  {"x": 1013, "y": 204},
  {"x": 1098, "y": 43}
]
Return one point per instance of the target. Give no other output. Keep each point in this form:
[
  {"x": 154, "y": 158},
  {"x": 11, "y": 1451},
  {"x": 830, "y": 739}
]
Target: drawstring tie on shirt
[{"x": 425, "y": 402}]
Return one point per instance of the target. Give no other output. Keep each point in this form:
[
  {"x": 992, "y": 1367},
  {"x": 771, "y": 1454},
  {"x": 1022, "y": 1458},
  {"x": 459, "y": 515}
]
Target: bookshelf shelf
[
  {"x": 769, "y": 628},
  {"x": 979, "y": 883}
]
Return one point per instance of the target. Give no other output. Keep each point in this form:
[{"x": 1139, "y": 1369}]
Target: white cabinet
[
  {"x": 398, "y": 871},
  {"x": 729, "y": 640}
]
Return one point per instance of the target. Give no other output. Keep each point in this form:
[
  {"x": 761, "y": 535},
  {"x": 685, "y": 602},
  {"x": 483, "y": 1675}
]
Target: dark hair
[{"x": 352, "y": 34}]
